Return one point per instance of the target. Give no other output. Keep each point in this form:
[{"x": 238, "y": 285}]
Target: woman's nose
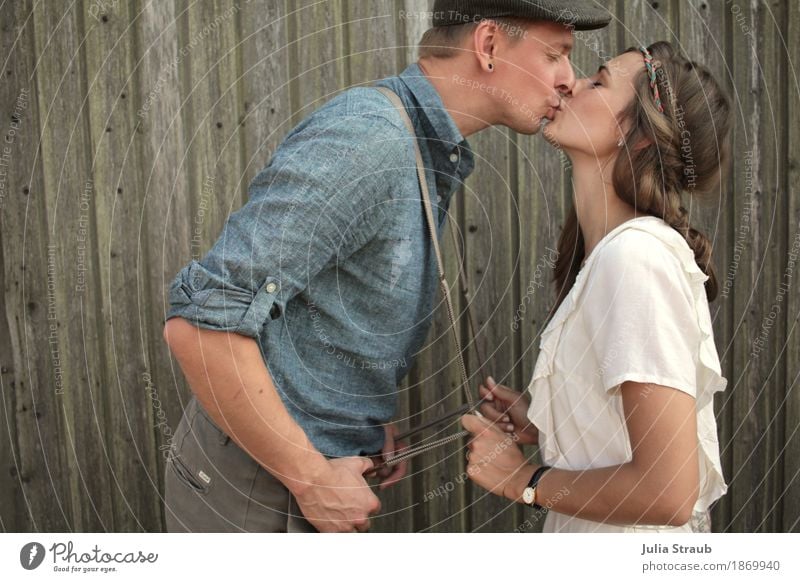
[{"x": 580, "y": 85}]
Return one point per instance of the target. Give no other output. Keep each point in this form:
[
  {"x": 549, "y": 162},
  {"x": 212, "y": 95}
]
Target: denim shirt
[{"x": 329, "y": 266}]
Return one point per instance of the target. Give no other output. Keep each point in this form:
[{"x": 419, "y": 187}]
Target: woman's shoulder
[{"x": 648, "y": 244}]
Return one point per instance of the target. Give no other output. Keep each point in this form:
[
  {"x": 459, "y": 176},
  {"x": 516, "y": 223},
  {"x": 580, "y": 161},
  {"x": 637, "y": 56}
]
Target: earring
[
  {"x": 491, "y": 67},
  {"x": 620, "y": 142}
]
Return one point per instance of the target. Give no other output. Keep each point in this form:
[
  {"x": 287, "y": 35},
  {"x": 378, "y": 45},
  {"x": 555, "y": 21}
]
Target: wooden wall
[{"x": 131, "y": 129}]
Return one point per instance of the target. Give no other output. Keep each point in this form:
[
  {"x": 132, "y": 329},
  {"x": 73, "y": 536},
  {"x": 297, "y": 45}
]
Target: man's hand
[
  {"x": 391, "y": 475},
  {"x": 340, "y": 500},
  {"x": 509, "y": 410}
]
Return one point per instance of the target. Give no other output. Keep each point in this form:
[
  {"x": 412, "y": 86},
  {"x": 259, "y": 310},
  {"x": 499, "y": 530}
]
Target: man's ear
[{"x": 484, "y": 41}]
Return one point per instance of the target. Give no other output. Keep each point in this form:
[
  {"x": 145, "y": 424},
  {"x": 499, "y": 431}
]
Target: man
[{"x": 295, "y": 329}]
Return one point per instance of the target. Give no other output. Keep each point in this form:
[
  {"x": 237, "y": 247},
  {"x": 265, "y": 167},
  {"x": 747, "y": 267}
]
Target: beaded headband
[{"x": 651, "y": 72}]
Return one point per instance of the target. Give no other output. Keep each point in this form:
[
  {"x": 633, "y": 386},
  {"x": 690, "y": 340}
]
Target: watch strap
[{"x": 537, "y": 474}]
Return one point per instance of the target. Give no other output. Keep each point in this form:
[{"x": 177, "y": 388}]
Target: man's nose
[{"x": 566, "y": 81}]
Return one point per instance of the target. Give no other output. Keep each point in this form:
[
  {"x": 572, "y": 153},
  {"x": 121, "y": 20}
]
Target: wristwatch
[{"x": 529, "y": 493}]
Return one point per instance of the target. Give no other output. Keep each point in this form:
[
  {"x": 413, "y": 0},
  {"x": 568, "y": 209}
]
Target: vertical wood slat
[
  {"x": 753, "y": 492},
  {"x": 371, "y": 31},
  {"x": 167, "y": 225},
  {"x": 703, "y": 38},
  {"x": 317, "y": 37},
  {"x": 791, "y": 436},
  {"x": 746, "y": 182},
  {"x": 28, "y": 502},
  {"x": 118, "y": 205},
  {"x": 12, "y": 43},
  {"x": 771, "y": 367},
  {"x": 265, "y": 54},
  {"x": 212, "y": 113},
  {"x": 82, "y": 487},
  {"x": 647, "y": 22},
  {"x": 490, "y": 213}
]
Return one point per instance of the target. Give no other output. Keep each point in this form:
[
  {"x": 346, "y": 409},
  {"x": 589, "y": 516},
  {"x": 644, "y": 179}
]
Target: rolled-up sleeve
[{"x": 321, "y": 197}]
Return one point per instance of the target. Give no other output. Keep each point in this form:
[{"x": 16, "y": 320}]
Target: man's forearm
[{"x": 227, "y": 374}]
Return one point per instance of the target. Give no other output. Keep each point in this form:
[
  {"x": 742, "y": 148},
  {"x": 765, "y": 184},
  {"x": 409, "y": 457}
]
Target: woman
[{"x": 621, "y": 400}]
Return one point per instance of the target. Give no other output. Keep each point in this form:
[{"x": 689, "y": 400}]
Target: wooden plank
[
  {"x": 15, "y": 40},
  {"x": 210, "y": 70},
  {"x": 318, "y": 73},
  {"x": 647, "y": 22},
  {"x": 168, "y": 225},
  {"x": 772, "y": 365},
  {"x": 791, "y": 453},
  {"x": 11, "y": 518},
  {"x": 41, "y": 270},
  {"x": 704, "y": 38},
  {"x": 492, "y": 257},
  {"x": 371, "y": 32},
  {"x": 754, "y": 487},
  {"x": 264, "y": 85},
  {"x": 118, "y": 206}
]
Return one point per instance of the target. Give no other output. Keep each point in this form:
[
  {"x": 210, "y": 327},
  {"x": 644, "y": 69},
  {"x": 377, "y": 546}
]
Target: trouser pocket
[
  {"x": 213, "y": 485},
  {"x": 208, "y": 480}
]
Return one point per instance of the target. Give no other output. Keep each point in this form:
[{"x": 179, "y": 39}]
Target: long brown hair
[{"x": 688, "y": 146}]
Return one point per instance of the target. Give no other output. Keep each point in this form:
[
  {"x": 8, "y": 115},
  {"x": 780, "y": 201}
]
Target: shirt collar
[
  {"x": 431, "y": 103},
  {"x": 432, "y": 107}
]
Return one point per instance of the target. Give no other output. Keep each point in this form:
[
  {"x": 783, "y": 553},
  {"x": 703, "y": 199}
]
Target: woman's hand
[
  {"x": 494, "y": 459},
  {"x": 509, "y": 409}
]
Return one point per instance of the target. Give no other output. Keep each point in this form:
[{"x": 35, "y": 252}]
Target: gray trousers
[{"x": 212, "y": 485}]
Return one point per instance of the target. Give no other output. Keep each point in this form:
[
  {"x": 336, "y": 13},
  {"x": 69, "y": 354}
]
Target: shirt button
[
  {"x": 454, "y": 157},
  {"x": 271, "y": 287}
]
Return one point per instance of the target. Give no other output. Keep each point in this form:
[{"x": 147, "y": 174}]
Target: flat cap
[{"x": 580, "y": 14}]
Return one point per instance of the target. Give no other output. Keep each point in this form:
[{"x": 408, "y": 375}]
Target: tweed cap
[{"x": 580, "y": 14}]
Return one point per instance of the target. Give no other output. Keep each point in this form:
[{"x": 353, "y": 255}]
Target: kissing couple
[{"x": 297, "y": 326}]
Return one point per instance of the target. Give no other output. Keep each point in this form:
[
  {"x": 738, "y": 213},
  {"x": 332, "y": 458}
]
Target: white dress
[{"x": 637, "y": 312}]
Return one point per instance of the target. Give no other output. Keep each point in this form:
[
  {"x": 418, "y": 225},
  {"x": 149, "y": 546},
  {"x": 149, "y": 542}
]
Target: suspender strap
[
  {"x": 426, "y": 200},
  {"x": 432, "y": 231}
]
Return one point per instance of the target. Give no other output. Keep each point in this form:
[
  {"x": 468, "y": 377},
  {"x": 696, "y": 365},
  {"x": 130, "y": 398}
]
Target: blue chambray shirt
[{"x": 329, "y": 265}]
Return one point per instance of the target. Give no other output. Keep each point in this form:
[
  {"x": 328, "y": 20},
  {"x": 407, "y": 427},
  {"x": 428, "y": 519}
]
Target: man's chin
[{"x": 530, "y": 127}]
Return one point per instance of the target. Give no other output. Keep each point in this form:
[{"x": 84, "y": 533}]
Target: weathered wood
[
  {"x": 264, "y": 85},
  {"x": 209, "y": 83},
  {"x": 12, "y": 40},
  {"x": 40, "y": 266},
  {"x": 317, "y": 43},
  {"x": 703, "y": 38},
  {"x": 167, "y": 226},
  {"x": 118, "y": 207},
  {"x": 791, "y": 436},
  {"x": 490, "y": 231}
]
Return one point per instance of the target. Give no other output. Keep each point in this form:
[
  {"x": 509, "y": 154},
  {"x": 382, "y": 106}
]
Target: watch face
[{"x": 527, "y": 495}]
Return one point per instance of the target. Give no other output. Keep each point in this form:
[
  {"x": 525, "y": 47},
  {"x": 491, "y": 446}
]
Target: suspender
[{"x": 470, "y": 401}]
